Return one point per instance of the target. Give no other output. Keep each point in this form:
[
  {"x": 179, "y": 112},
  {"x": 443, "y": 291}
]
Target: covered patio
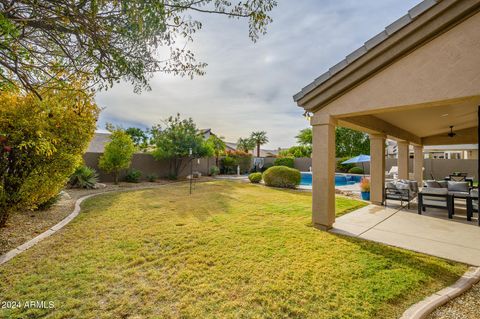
[{"x": 411, "y": 83}]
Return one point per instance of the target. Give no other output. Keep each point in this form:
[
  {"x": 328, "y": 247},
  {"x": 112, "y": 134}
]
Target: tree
[
  {"x": 174, "y": 140},
  {"x": 217, "y": 145},
  {"x": 245, "y": 144},
  {"x": 305, "y": 137},
  {"x": 41, "y": 144},
  {"x": 117, "y": 154},
  {"x": 47, "y": 43},
  {"x": 138, "y": 136},
  {"x": 350, "y": 143},
  {"x": 259, "y": 138},
  {"x": 297, "y": 151}
]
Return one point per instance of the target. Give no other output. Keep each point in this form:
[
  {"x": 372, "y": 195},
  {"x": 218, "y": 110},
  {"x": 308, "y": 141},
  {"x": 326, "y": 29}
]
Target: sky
[{"x": 249, "y": 86}]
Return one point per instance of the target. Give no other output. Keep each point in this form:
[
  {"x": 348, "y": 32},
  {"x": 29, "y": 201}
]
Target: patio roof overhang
[{"x": 410, "y": 83}]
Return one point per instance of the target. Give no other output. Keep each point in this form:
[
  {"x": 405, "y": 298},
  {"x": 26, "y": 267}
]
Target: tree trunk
[{"x": 258, "y": 149}]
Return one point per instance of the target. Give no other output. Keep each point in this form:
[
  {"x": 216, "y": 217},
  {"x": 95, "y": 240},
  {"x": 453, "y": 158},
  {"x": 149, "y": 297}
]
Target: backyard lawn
[{"x": 230, "y": 250}]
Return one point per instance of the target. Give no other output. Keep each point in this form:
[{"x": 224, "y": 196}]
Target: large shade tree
[
  {"x": 47, "y": 43},
  {"x": 259, "y": 138}
]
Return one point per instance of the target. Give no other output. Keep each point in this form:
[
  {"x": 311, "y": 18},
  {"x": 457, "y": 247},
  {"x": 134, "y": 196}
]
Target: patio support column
[
  {"x": 403, "y": 158},
  {"x": 323, "y": 172},
  {"x": 418, "y": 164},
  {"x": 377, "y": 168}
]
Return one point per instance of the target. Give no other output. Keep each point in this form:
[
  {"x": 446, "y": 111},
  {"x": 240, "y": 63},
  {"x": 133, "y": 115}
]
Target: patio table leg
[
  {"x": 469, "y": 209},
  {"x": 450, "y": 206}
]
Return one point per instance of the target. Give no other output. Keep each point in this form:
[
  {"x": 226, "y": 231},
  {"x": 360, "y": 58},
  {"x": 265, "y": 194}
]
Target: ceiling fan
[{"x": 451, "y": 134}]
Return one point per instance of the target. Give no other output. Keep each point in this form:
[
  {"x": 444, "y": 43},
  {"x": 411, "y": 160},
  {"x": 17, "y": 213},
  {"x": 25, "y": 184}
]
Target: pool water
[{"x": 340, "y": 179}]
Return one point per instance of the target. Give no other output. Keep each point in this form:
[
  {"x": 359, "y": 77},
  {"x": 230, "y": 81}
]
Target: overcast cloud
[{"x": 249, "y": 86}]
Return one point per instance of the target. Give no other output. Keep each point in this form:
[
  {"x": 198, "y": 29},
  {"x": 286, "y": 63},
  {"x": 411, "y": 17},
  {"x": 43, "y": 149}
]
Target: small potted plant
[{"x": 365, "y": 188}]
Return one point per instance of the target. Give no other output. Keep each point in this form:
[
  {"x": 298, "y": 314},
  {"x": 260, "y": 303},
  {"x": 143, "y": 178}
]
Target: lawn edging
[
  {"x": 52, "y": 230},
  {"x": 425, "y": 307}
]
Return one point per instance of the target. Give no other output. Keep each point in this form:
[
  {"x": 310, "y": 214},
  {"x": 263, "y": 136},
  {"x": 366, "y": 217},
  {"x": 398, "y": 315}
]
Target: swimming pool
[{"x": 340, "y": 179}]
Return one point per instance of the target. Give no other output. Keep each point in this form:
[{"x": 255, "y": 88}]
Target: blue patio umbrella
[{"x": 358, "y": 159}]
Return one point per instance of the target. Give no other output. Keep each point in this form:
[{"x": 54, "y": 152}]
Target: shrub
[
  {"x": 84, "y": 177},
  {"x": 214, "y": 170},
  {"x": 151, "y": 177},
  {"x": 265, "y": 167},
  {"x": 41, "y": 143},
  {"x": 285, "y": 161},
  {"x": 49, "y": 203},
  {"x": 344, "y": 168},
  {"x": 356, "y": 170},
  {"x": 282, "y": 176},
  {"x": 255, "y": 177},
  {"x": 228, "y": 164},
  {"x": 133, "y": 176}
]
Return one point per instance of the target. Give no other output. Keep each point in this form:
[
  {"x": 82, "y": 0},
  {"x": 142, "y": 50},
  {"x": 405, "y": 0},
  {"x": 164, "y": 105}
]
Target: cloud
[{"x": 249, "y": 86}]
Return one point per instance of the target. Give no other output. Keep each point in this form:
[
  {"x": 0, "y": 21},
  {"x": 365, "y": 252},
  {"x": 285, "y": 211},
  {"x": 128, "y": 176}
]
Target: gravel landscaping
[{"x": 467, "y": 306}]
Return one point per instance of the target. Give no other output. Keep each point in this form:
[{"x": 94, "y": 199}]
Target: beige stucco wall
[{"x": 421, "y": 77}]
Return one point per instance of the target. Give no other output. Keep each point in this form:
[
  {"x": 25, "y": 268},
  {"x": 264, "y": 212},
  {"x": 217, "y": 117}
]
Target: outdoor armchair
[
  {"x": 435, "y": 197},
  {"x": 401, "y": 190}
]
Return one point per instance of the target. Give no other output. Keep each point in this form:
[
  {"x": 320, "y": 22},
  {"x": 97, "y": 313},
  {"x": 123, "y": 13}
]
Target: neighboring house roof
[
  {"x": 98, "y": 142},
  {"x": 399, "y": 24}
]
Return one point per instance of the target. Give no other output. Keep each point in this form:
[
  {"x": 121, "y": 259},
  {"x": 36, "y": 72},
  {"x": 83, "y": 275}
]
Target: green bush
[
  {"x": 356, "y": 170},
  {"x": 228, "y": 165},
  {"x": 344, "y": 168},
  {"x": 285, "y": 161},
  {"x": 152, "y": 177},
  {"x": 265, "y": 167},
  {"x": 282, "y": 176},
  {"x": 48, "y": 203},
  {"x": 133, "y": 176},
  {"x": 84, "y": 177},
  {"x": 214, "y": 171},
  {"x": 255, "y": 177}
]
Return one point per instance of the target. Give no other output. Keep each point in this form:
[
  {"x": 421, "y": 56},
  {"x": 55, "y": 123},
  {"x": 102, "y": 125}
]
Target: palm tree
[
  {"x": 245, "y": 144},
  {"x": 259, "y": 138},
  {"x": 218, "y": 146}
]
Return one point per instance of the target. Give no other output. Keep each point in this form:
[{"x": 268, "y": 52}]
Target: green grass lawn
[{"x": 231, "y": 250}]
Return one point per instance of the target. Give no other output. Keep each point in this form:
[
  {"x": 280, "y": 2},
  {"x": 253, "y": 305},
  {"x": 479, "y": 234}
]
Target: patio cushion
[
  {"x": 432, "y": 184},
  {"x": 443, "y": 184},
  {"x": 434, "y": 191},
  {"x": 390, "y": 185},
  {"x": 458, "y": 187},
  {"x": 438, "y": 203}
]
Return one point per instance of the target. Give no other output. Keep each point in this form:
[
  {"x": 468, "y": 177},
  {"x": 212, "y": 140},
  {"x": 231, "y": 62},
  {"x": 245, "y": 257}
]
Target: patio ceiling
[{"x": 422, "y": 125}]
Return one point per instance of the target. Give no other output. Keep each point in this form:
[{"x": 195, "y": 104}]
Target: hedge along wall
[{"x": 148, "y": 166}]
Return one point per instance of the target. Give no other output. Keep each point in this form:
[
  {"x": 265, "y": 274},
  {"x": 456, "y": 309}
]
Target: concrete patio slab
[{"x": 432, "y": 233}]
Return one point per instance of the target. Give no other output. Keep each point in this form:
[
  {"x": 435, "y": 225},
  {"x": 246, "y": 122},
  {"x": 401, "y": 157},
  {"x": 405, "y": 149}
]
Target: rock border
[
  {"x": 425, "y": 307},
  {"x": 52, "y": 230}
]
